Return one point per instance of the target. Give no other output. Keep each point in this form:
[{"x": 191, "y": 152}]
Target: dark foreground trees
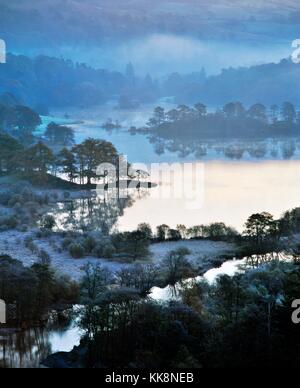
[
  {"x": 10, "y": 150},
  {"x": 91, "y": 154},
  {"x": 123, "y": 330},
  {"x": 38, "y": 158},
  {"x": 30, "y": 293},
  {"x": 239, "y": 321},
  {"x": 176, "y": 266},
  {"x": 141, "y": 278}
]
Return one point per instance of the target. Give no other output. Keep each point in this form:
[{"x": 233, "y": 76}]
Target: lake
[
  {"x": 232, "y": 191},
  {"x": 227, "y": 188}
]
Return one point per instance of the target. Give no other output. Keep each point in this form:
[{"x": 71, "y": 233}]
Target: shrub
[
  {"x": 108, "y": 251},
  {"x": 7, "y": 223},
  {"x": 30, "y": 245},
  {"x": 89, "y": 244},
  {"x": 5, "y": 197},
  {"x": 48, "y": 222},
  {"x": 23, "y": 228},
  {"x": 44, "y": 257},
  {"x": 27, "y": 194},
  {"x": 43, "y": 233},
  {"x": 98, "y": 251},
  {"x": 67, "y": 242},
  {"x": 76, "y": 251},
  {"x": 15, "y": 199},
  {"x": 134, "y": 244}
]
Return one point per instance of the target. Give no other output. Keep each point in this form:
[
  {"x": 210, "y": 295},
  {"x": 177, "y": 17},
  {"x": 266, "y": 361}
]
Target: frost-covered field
[
  {"x": 12, "y": 244},
  {"x": 201, "y": 250}
]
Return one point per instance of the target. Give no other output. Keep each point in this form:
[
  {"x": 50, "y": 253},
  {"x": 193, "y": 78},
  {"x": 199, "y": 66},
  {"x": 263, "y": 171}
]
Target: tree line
[
  {"x": 287, "y": 113},
  {"x": 262, "y": 239},
  {"x": 38, "y": 82},
  {"x": 78, "y": 162},
  {"x": 232, "y": 120}
]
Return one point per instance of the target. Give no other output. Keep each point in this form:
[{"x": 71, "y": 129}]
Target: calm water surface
[
  {"x": 27, "y": 349},
  {"x": 231, "y": 190}
]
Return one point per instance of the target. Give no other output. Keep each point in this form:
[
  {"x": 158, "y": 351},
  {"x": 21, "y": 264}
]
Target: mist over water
[{"x": 162, "y": 54}]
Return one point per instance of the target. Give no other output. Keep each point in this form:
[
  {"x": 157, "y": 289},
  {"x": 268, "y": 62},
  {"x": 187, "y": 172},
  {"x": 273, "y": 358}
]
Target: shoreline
[{"x": 203, "y": 252}]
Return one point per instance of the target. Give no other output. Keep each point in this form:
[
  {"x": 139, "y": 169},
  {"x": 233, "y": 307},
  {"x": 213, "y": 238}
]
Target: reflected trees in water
[
  {"x": 25, "y": 349},
  {"x": 97, "y": 213},
  {"x": 232, "y": 150}
]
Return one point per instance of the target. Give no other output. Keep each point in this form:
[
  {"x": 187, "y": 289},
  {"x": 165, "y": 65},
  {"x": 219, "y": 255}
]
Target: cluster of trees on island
[
  {"x": 233, "y": 120},
  {"x": 24, "y": 151},
  {"x": 79, "y": 161}
]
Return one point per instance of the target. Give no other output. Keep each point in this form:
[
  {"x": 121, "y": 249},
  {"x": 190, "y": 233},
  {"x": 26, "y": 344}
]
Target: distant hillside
[
  {"x": 59, "y": 22},
  {"x": 56, "y": 82},
  {"x": 269, "y": 84}
]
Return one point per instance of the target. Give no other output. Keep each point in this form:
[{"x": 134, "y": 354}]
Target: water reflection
[
  {"x": 232, "y": 192},
  {"x": 256, "y": 149},
  {"x": 24, "y": 349},
  {"x": 168, "y": 293},
  {"x": 96, "y": 212},
  {"x": 27, "y": 349}
]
